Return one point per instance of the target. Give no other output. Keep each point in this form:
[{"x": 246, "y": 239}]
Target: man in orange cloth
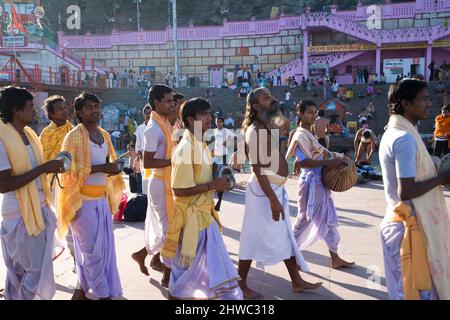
[{"x": 442, "y": 132}]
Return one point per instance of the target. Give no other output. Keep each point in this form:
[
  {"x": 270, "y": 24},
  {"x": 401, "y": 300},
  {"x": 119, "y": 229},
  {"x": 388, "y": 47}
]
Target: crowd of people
[{"x": 172, "y": 164}]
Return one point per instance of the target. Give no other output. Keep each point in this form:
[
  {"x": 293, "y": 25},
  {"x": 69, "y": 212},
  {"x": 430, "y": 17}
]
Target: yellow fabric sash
[
  {"x": 432, "y": 213},
  {"x": 191, "y": 214},
  {"x": 93, "y": 192},
  {"x": 70, "y": 199},
  {"x": 52, "y": 138},
  {"x": 166, "y": 172},
  {"x": 415, "y": 270},
  {"x": 28, "y": 195}
]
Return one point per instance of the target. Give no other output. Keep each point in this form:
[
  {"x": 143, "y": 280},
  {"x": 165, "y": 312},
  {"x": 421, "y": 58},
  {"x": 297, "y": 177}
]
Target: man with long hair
[{"x": 266, "y": 234}]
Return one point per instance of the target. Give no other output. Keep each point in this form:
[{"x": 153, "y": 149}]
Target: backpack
[{"x": 136, "y": 209}]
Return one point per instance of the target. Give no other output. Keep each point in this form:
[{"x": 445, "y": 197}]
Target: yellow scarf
[
  {"x": 414, "y": 264},
  {"x": 191, "y": 214},
  {"x": 70, "y": 199},
  {"x": 432, "y": 214},
  {"x": 165, "y": 173},
  {"x": 27, "y": 196},
  {"x": 52, "y": 138}
]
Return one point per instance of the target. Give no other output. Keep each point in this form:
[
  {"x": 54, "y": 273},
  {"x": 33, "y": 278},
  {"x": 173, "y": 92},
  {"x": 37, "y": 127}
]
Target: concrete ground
[{"x": 360, "y": 212}]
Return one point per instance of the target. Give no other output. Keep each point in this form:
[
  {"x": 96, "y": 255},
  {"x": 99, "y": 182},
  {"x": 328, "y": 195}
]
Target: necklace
[{"x": 98, "y": 139}]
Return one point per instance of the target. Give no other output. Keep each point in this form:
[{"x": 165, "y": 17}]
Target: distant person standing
[
  {"x": 278, "y": 77},
  {"x": 442, "y": 132},
  {"x": 222, "y": 138},
  {"x": 335, "y": 88},
  {"x": 321, "y": 128},
  {"x": 431, "y": 66},
  {"x": 287, "y": 100},
  {"x": 229, "y": 121}
]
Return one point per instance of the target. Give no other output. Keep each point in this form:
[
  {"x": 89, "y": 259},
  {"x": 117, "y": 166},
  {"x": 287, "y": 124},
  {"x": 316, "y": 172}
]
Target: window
[{"x": 348, "y": 69}]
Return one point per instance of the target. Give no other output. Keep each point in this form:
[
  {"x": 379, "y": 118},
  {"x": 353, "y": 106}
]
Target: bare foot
[
  {"x": 165, "y": 283},
  {"x": 166, "y": 277},
  {"x": 79, "y": 294},
  {"x": 304, "y": 285},
  {"x": 156, "y": 264},
  {"x": 249, "y": 294},
  {"x": 337, "y": 263},
  {"x": 140, "y": 259}
]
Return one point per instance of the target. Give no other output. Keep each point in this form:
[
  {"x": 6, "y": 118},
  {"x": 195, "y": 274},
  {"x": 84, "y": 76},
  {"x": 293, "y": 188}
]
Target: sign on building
[
  {"x": 408, "y": 67},
  {"x": 13, "y": 41}
]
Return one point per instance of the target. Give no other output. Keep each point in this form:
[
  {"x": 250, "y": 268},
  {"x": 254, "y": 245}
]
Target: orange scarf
[
  {"x": 70, "y": 199},
  {"x": 442, "y": 127},
  {"x": 414, "y": 263},
  {"x": 52, "y": 138},
  {"x": 432, "y": 213},
  {"x": 167, "y": 171}
]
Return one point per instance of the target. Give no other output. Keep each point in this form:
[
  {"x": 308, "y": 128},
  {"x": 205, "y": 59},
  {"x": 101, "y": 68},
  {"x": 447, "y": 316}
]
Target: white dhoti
[
  {"x": 156, "y": 219},
  {"x": 28, "y": 259},
  {"x": 264, "y": 240},
  {"x": 144, "y": 185}
]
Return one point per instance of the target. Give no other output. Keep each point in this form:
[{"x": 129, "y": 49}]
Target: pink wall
[
  {"x": 365, "y": 59},
  {"x": 439, "y": 55},
  {"x": 405, "y": 53}
]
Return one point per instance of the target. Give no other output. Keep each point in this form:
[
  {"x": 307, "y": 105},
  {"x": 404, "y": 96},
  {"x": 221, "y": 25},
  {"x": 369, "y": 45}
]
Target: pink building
[{"x": 390, "y": 39}]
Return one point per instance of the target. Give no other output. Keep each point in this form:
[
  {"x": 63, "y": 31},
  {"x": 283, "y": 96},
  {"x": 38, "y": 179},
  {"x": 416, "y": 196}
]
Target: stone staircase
[{"x": 229, "y": 101}]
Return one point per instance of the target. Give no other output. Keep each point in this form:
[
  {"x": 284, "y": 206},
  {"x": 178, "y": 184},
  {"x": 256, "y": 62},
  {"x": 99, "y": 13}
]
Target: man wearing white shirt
[
  {"x": 335, "y": 88},
  {"x": 229, "y": 121},
  {"x": 222, "y": 138},
  {"x": 146, "y": 111}
]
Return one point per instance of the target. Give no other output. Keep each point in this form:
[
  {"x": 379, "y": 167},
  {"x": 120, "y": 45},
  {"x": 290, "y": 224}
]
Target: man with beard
[{"x": 266, "y": 234}]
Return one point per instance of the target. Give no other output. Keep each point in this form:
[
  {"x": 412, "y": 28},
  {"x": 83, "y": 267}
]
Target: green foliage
[{"x": 157, "y": 14}]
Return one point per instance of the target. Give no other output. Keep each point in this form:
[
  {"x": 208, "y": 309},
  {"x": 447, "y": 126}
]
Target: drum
[
  {"x": 340, "y": 180},
  {"x": 445, "y": 167}
]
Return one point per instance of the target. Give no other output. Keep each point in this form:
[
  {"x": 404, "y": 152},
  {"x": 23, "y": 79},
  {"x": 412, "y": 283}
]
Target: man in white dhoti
[
  {"x": 139, "y": 146},
  {"x": 266, "y": 234},
  {"x": 158, "y": 148},
  {"x": 28, "y": 223}
]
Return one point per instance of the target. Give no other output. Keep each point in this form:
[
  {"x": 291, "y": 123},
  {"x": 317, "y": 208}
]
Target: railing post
[
  {"x": 305, "y": 53},
  {"x": 419, "y": 6}
]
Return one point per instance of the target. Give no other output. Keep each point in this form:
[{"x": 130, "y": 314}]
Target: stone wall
[{"x": 195, "y": 57}]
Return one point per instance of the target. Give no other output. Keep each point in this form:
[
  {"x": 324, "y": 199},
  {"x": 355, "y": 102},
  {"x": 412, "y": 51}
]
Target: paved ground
[{"x": 360, "y": 212}]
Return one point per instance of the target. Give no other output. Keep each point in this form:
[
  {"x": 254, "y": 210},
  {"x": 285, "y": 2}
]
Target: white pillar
[
  {"x": 175, "y": 43},
  {"x": 305, "y": 53},
  {"x": 378, "y": 60},
  {"x": 428, "y": 60}
]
